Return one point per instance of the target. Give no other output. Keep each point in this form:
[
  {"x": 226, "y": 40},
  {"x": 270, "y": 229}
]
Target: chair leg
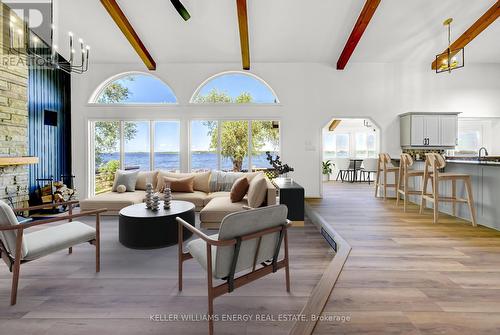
[
  {"x": 180, "y": 229},
  {"x": 287, "y": 267},
  {"x": 470, "y": 201},
  {"x": 385, "y": 185},
  {"x": 98, "y": 244},
  {"x": 423, "y": 201},
  {"x": 338, "y": 175},
  {"x": 210, "y": 291},
  {"x": 454, "y": 196},
  {"x": 435, "y": 192},
  {"x": 405, "y": 193},
  {"x": 377, "y": 182},
  {"x": 17, "y": 267}
]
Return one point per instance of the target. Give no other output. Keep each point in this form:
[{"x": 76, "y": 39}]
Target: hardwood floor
[
  {"x": 61, "y": 293},
  {"x": 406, "y": 275}
]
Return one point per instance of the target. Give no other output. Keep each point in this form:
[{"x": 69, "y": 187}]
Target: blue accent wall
[{"x": 49, "y": 89}]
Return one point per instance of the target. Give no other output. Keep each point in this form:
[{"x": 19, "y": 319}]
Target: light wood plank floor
[
  {"x": 406, "y": 275},
  {"x": 61, "y": 294}
]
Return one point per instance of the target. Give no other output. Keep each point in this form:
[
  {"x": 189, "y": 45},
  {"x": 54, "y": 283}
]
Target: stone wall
[{"x": 13, "y": 121}]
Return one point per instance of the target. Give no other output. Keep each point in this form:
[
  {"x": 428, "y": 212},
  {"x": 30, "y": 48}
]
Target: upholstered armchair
[
  {"x": 17, "y": 248},
  {"x": 248, "y": 242}
]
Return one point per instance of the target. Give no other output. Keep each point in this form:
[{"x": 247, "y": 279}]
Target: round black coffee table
[{"x": 142, "y": 228}]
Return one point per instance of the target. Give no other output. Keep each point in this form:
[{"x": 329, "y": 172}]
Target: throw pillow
[
  {"x": 144, "y": 178},
  {"x": 127, "y": 178},
  {"x": 239, "y": 189},
  {"x": 179, "y": 184},
  {"x": 201, "y": 179},
  {"x": 257, "y": 191}
]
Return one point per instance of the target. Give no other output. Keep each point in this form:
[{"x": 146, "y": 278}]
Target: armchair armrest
[
  {"x": 52, "y": 205},
  {"x": 203, "y": 236},
  {"x": 23, "y": 226}
]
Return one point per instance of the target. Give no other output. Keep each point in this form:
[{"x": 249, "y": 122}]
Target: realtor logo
[{"x": 38, "y": 15}]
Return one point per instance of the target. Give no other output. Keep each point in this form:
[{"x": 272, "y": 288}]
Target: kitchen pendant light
[{"x": 450, "y": 59}]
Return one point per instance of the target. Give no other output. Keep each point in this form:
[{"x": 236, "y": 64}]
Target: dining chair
[
  {"x": 18, "y": 248},
  {"x": 368, "y": 166},
  {"x": 343, "y": 166},
  {"x": 246, "y": 248}
]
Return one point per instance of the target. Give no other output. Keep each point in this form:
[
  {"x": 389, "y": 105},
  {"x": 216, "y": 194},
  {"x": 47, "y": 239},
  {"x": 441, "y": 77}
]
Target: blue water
[{"x": 171, "y": 161}]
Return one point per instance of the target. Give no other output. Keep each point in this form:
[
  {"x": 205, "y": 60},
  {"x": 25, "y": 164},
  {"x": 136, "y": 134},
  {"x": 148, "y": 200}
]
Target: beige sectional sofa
[{"x": 213, "y": 206}]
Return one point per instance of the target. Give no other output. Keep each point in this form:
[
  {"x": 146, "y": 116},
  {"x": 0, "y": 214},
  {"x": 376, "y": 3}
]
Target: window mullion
[
  {"x": 219, "y": 145},
  {"x": 122, "y": 145},
  {"x": 152, "y": 145},
  {"x": 250, "y": 146}
]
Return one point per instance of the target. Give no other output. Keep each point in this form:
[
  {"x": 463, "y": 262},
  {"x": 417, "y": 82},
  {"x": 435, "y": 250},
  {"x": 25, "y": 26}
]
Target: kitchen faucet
[{"x": 485, "y": 153}]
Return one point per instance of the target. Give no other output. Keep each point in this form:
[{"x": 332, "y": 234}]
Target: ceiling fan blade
[{"x": 181, "y": 9}]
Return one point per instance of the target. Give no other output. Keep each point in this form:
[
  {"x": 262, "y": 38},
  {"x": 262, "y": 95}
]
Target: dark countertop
[{"x": 471, "y": 162}]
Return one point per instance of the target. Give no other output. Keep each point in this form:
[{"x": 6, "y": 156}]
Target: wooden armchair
[
  {"x": 245, "y": 240},
  {"x": 17, "y": 248}
]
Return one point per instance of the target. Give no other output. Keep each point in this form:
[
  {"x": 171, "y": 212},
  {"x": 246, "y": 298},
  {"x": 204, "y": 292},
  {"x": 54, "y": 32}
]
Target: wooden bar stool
[
  {"x": 433, "y": 163},
  {"x": 384, "y": 166},
  {"x": 405, "y": 173}
]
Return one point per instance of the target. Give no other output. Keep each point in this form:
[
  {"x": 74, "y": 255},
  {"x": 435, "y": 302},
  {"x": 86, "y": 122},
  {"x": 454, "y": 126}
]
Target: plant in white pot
[{"x": 327, "y": 169}]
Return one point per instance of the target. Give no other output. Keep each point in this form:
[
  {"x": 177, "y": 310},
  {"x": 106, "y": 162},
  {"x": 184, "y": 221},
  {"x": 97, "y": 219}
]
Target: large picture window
[
  {"x": 129, "y": 145},
  {"x": 233, "y": 145}
]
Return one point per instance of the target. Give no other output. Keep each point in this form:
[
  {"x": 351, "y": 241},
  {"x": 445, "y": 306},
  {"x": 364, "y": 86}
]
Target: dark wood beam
[
  {"x": 123, "y": 23},
  {"x": 244, "y": 40},
  {"x": 359, "y": 28},
  {"x": 481, "y": 24}
]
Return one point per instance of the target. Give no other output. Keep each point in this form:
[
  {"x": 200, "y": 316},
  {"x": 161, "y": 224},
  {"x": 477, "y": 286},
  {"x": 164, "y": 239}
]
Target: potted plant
[{"x": 327, "y": 169}]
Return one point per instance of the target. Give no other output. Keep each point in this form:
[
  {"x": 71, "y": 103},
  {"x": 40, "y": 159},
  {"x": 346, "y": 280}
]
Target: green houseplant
[{"x": 327, "y": 169}]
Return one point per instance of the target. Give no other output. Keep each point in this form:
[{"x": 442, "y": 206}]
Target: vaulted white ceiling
[{"x": 280, "y": 30}]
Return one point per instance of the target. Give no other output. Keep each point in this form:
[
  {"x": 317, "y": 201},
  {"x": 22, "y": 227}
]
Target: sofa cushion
[
  {"x": 219, "y": 207},
  {"x": 257, "y": 192},
  {"x": 210, "y": 196},
  {"x": 178, "y": 184},
  {"x": 50, "y": 240},
  {"x": 239, "y": 189},
  {"x": 127, "y": 178},
  {"x": 201, "y": 179},
  {"x": 113, "y": 201},
  {"x": 222, "y": 181},
  {"x": 144, "y": 178},
  {"x": 197, "y": 198}
]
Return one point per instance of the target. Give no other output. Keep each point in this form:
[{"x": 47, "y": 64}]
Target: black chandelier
[
  {"x": 25, "y": 42},
  {"x": 450, "y": 59}
]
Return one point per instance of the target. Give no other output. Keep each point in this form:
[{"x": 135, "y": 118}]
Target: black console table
[{"x": 291, "y": 194}]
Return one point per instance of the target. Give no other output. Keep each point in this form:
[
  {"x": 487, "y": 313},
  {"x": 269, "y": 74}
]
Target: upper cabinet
[{"x": 422, "y": 130}]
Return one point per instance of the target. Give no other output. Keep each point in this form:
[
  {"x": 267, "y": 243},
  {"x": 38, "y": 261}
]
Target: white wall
[{"x": 310, "y": 95}]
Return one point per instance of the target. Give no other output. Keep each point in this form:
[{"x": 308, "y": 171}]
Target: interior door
[
  {"x": 448, "y": 129},
  {"x": 432, "y": 130},
  {"x": 417, "y": 130}
]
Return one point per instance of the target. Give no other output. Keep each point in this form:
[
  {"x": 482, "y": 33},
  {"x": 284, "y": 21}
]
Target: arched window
[
  {"x": 234, "y": 87},
  {"x": 134, "y": 88}
]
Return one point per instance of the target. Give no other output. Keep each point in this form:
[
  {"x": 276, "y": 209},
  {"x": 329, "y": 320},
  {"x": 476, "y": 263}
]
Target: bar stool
[
  {"x": 433, "y": 163},
  {"x": 384, "y": 166},
  {"x": 405, "y": 173}
]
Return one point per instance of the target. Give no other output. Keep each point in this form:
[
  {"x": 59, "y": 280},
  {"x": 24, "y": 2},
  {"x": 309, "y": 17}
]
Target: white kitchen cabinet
[
  {"x": 449, "y": 132},
  {"x": 421, "y": 130}
]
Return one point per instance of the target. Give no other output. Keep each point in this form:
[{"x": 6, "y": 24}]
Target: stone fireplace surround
[{"x": 13, "y": 126}]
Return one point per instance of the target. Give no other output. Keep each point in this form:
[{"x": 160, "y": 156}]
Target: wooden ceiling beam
[
  {"x": 243, "y": 26},
  {"x": 481, "y": 24},
  {"x": 123, "y": 23},
  {"x": 357, "y": 32}
]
